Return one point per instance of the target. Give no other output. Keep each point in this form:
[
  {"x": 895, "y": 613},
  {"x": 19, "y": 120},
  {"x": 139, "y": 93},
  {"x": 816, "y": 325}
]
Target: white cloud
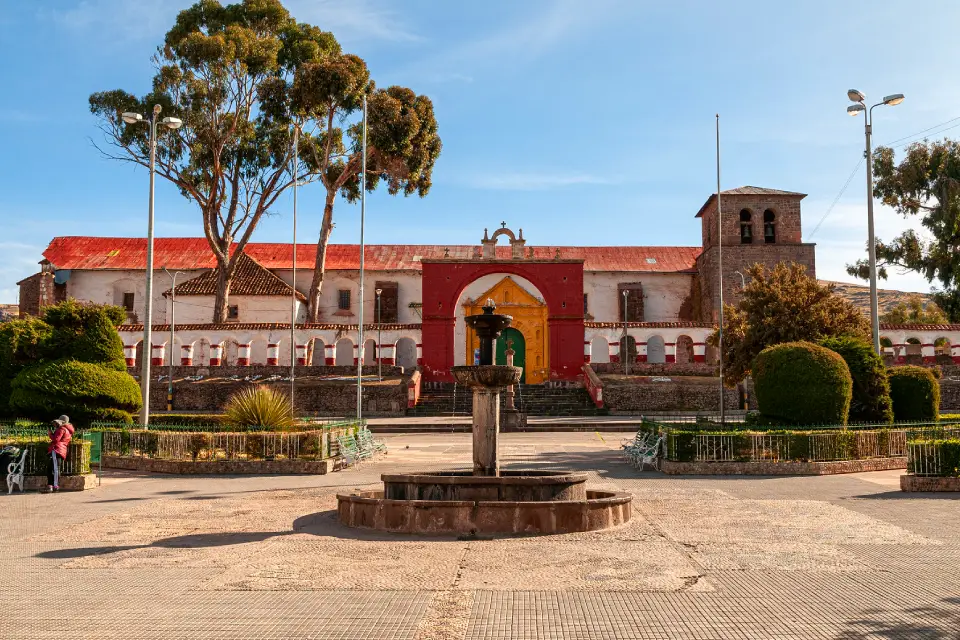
[
  {"x": 531, "y": 181},
  {"x": 353, "y": 20}
]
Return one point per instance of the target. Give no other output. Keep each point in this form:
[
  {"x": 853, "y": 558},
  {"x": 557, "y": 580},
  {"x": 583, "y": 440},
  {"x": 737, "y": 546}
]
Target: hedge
[
  {"x": 915, "y": 393},
  {"x": 934, "y": 457},
  {"x": 82, "y": 390},
  {"x": 738, "y": 446},
  {"x": 870, "y": 401},
  {"x": 77, "y": 461},
  {"x": 802, "y": 383}
]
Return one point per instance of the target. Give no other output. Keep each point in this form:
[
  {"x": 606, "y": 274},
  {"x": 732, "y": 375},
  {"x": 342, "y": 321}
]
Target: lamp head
[
  {"x": 855, "y": 96},
  {"x": 131, "y": 118},
  {"x": 893, "y": 99},
  {"x": 172, "y": 123},
  {"x": 855, "y": 109}
]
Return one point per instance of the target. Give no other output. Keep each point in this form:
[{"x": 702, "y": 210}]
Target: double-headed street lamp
[
  {"x": 854, "y": 110},
  {"x": 170, "y": 123},
  {"x": 379, "y": 347}
]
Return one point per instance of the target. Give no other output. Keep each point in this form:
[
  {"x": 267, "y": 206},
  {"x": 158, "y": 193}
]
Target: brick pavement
[{"x": 263, "y": 557}]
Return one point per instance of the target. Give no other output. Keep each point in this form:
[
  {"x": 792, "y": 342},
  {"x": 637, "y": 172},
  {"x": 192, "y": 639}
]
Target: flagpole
[
  {"x": 720, "y": 269},
  {"x": 293, "y": 294},
  {"x": 363, "y": 202}
]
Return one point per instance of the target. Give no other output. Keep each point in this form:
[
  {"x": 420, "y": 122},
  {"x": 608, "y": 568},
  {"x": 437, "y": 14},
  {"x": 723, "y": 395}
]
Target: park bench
[
  {"x": 637, "y": 442},
  {"x": 367, "y": 442},
  {"x": 350, "y": 450},
  {"x": 644, "y": 450},
  {"x": 15, "y": 472}
]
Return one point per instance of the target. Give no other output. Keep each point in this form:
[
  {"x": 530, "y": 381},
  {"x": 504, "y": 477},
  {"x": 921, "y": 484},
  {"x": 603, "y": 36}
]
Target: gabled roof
[
  {"x": 249, "y": 279},
  {"x": 81, "y": 252},
  {"x": 749, "y": 191}
]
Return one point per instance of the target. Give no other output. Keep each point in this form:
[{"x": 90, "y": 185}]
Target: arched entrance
[{"x": 513, "y": 339}]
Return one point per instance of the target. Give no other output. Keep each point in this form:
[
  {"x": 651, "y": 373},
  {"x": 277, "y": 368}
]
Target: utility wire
[{"x": 837, "y": 199}]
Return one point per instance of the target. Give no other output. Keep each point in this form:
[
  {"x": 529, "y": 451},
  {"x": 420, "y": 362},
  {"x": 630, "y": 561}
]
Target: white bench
[{"x": 15, "y": 472}]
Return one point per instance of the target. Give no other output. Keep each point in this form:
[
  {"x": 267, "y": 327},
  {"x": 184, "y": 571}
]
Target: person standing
[{"x": 60, "y": 437}]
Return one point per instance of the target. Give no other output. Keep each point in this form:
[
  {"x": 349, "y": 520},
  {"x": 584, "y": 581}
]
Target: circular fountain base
[{"x": 516, "y": 502}]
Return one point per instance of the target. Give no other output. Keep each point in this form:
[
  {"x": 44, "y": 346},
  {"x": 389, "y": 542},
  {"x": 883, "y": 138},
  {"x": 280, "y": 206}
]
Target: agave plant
[{"x": 259, "y": 406}]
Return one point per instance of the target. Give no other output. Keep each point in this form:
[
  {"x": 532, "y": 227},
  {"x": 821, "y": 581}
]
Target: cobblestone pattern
[{"x": 263, "y": 557}]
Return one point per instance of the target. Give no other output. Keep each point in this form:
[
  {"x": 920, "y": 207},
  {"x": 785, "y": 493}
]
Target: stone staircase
[{"x": 534, "y": 400}]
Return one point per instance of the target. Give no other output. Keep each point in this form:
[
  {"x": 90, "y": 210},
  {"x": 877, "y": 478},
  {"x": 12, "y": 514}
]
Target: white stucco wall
[
  {"x": 199, "y": 309},
  {"x": 663, "y": 293},
  {"x": 108, "y": 287},
  {"x": 408, "y": 283}
]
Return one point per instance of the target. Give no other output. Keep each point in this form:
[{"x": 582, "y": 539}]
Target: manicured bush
[
  {"x": 82, "y": 390},
  {"x": 802, "y": 383},
  {"x": 214, "y": 420},
  {"x": 870, "y": 401},
  {"x": 85, "y": 332},
  {"x": 21, "y": 344},
  {"x": 915, "y": 393},
  {"x": 934, "y": 457},
  {"x": 260, "y": 406}
]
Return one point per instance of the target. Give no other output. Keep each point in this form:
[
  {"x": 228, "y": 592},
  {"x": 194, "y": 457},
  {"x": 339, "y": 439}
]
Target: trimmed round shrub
[
  {"x": 82, "y": 390},
  {"x": 85, "y": 332},
  {"x": 259, "y": 406},
  {"x": 802, "y": 383},
  {"x": 871, "y": 389},
  {"x": 915, "y": 392},
  {"x": 21, "y": 344}
]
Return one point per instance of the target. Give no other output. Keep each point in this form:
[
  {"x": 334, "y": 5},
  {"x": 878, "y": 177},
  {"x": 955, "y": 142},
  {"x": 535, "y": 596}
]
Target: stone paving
[{"x": 263, "y": 557}]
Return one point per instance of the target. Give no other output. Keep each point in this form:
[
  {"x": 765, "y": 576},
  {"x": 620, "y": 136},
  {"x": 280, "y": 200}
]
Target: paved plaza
[{"x": 263, "y": 557}]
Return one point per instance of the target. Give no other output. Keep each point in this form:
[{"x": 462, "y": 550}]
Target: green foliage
[
  {"x": 915, "y": 393},
  {"x": 802, "y": 383},
  {"x": 21, "y": 343},
  {"x": 215, "y": 421},
  {"x": 241, "y": 77},
  {"x": 913, "y": 311},
  {"x": 935, "y": 457},
  {"x": 86, "y": 332},
  {"x": 37, "y": 463},
  {"x": 83, "y": 390},
  {"x": 260, "y": 406},
  {"x": 782, "y": 305},
  {"x": 924, "y": 184},
  {"x": 871, "y": 389}
]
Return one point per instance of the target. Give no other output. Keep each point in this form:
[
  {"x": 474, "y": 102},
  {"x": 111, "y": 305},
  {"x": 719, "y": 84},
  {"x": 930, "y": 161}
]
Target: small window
[
  {"x": 128, "y": 301},
  {"x": 746, "y": 227},
  {"x": 769, "y": 227},
  {"x": 233, "y": 312},
  {"x": 343, "y": 299},
  {"x": 585, "y": 304}
]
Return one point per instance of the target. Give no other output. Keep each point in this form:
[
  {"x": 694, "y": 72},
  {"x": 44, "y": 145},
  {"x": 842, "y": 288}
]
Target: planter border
[
  {"x": 911, "y": 483},
  {"x": 782, "y": 468},
  {"x": 219, "y": 467}
]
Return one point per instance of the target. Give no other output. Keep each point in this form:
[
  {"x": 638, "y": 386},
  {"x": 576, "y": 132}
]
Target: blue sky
[{"x": 583, "y": 122}]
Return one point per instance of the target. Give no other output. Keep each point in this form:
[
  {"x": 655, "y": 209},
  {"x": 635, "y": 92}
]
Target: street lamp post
[
  {"x": 173, "y": 320},
  {"x": 625, "y": 352},
  {"x": 379, "y": 347},
  {"x": 858, "y": 98},
  {"x": 170, "y": 123}
]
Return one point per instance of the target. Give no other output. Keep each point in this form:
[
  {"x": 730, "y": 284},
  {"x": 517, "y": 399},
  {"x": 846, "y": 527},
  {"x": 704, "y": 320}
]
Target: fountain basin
[
  {"x": 370, "y": 510},
  {"x": 487, "y": 375},
  {"x": 510, "y": 486}
]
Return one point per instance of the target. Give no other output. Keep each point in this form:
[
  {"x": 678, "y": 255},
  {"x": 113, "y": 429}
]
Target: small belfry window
[
  {"x": 128, "y": 301},
  {"x": 343, "y": 300},
  {"x": 746, "y": 227},
  {"x": 769, "y": 226},
  {"x": 233, "y": 312}
]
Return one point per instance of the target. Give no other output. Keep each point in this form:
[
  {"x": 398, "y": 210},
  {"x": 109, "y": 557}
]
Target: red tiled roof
[
  {"x": 749, "y": 191},
  {"x": 919, "y": 327},
  {"x": 78, "y": 252},
  {"x": 250, "y": 279},
  {"x": 265, "y": 326},
  {"x": 683, "y": 324}
]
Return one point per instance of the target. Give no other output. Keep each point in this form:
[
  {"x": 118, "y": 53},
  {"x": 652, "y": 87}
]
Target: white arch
[
  {"x": 656, "y": 350},
  {"x": 406, "y": 353},
  {"x": 599, "y": 350},
  {"x": 344, "y": 352}
]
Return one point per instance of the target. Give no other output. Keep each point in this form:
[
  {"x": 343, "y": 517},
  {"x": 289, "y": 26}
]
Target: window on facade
[
  {"x": 746, "y": 228},
  {"x": 233, "y": 312},
  {"x": 769, "y": 226},
  {"x": 343, "y": 300},
  {"x": 633, "y": 299},
  {"x": 128, "y": 301},
  {"x": 389, "y": 312},
  {"x": 585, "y": 304}
]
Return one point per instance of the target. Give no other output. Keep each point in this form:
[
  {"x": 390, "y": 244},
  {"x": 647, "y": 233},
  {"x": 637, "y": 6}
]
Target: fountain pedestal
[{"x": 487, "y": 382}]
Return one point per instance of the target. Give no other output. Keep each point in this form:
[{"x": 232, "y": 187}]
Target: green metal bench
[{"x": 367, "y": 442}]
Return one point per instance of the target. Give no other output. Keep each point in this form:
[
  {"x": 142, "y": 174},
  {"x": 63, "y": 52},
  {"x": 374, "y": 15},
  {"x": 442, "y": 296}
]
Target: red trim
[
  {"x": 615, "y": 358},
  {"x": 243, "y": 362},
  {"x": 271, "y": 345},
  {"x": 301, "y": 361},
  {"x": 929, "y": 359},
  {"x": 701, "y": 358},
  {"x": 388, "y": 361},
  {"x": 329, "y": 361},
  {"x": 156, "y": 361},
  {"x": 186, "y": 362},
  {"x": 671, "y": 359},
  {"x": 131, "y": 362},
  {"x": 272, "y": 362},
  {"x": 586, "y": 358},
  {"x": 214, "y": 362},
  {"x": 641, "y": 357}
]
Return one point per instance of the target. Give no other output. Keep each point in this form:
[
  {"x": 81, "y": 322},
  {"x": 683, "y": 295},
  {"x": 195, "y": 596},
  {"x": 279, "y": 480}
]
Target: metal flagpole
[
  {"x": 293, "y": 294},
  {"x": 363, "y": 202},
  {"x": 720, "y": 269}
]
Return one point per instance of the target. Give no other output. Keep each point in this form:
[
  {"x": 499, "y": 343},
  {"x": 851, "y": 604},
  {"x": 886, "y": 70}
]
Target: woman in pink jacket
[{"x": 60, "y": 437}]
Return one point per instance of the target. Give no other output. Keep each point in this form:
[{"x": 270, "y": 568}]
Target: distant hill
[{"x": 887, "y": 299}]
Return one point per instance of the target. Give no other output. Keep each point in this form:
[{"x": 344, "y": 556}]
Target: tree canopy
[
  {"x": 779, "y": 305},
  {"x": 913, "y": 311},
  {"x": 926, "y": 183}
]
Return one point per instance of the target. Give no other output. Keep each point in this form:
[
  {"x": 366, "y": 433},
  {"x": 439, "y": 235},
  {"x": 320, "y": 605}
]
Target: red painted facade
[{"x": 560, "y": 282}]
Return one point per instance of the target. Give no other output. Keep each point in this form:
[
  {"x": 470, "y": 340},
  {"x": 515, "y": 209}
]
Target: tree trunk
[
  {"x": 225, "y": 273},
  {"x": 326, "y": 227}
]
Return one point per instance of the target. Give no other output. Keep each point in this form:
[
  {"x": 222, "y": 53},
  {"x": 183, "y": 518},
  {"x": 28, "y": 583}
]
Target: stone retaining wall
[
  {"x": 219, "y": 467},
  {"x": 67, "y": 483},
  {"x": 676, "y": 395},
  {"x": 782, "y": 468},
  {"x": 923, "y": 483}
]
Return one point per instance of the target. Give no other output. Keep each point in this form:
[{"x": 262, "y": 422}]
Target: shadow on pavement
[{"x": 941, "y": 622}]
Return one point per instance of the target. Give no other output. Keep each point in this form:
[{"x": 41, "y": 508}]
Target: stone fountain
[{"x": 485, "y": 500}]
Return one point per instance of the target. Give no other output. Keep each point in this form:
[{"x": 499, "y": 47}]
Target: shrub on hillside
[
  {"x": 83, "y": 390},
  {"x": 259, "y": 406},
  {"x": 871, "y": 389},
  {"x": 915, "y": 392},
  {"x": 802, "y": 383}
]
